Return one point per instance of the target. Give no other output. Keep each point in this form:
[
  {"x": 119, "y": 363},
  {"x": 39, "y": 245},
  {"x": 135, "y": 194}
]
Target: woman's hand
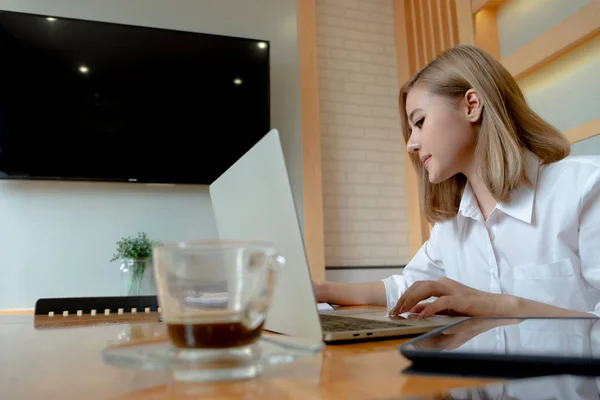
[
  {"x": 480, "y": 305},
  {"x": 454, "y": 298}
]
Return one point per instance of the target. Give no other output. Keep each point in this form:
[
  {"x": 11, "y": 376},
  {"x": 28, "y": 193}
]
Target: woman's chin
[{"x": 435, "y": 178}]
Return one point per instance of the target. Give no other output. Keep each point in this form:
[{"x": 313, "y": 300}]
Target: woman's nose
[{"x": 413, "y": 147}]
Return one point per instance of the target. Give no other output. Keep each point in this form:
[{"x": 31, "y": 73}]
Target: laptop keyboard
[{"x": 337, "y": 323}]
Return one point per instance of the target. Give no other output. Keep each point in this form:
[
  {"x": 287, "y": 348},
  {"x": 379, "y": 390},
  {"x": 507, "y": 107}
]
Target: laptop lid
[{"x": 253, "y": 200}]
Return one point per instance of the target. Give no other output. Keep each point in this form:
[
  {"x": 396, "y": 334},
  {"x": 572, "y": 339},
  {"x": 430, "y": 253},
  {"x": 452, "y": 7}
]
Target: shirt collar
[
  {"x": 520, "y": 205},
  {"x": 468, "y": 202}
]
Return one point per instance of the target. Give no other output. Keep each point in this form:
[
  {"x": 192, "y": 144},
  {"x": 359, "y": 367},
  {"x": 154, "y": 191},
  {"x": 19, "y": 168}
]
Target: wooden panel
[
  {"x": 436, "y": 36},
  {"x": 479, "y": 5},
  {"x": 583, "y": 131},
  {"x": 464, "y": 22},
  {"x": 403, "y": 40},
  {"x": 407, "y": 65},
  {"x": 409, "y": 39},
  {"x": 445, "y": 24},
  {"x": 311, "y": 139},
  {"x": 566, "y": 35},
  {"x": 418, "y": 29},
  {"x": 453, "y": 22},
  {"x": 486, "y": 32},
  {"x": 424, "y": 28}
]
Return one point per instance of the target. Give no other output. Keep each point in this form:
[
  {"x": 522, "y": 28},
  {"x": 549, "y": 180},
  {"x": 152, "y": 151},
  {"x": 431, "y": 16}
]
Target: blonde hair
[{"x": 508, "y": 127}]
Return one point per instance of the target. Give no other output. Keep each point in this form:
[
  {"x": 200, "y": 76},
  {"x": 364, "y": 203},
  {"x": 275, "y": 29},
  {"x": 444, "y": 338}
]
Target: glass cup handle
[
  {"x": 275, "y": 263},
  {"x": 257, "y": 310}
]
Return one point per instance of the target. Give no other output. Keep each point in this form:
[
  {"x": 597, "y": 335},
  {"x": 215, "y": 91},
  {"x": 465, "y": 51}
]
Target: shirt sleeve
[
  {"x": 589, "y": 234},
  {"x": 425, "y": 265}
]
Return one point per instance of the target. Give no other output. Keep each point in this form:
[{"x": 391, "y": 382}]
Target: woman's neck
[{"x": 485, "y": 199}]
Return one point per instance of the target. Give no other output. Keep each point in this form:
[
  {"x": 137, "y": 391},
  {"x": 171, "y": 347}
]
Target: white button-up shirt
[{"x": 544, "y": 244}]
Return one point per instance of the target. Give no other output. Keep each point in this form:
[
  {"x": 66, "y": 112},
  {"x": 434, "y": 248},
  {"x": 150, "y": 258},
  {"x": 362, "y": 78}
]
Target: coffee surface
[{"x": 218, "y": 335}]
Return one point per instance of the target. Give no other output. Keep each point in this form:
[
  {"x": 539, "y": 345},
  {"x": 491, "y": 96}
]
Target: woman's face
[{"x": 443, "y": 132}]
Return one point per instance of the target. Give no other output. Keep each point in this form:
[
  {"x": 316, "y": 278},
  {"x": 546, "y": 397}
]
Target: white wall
[
  {"x": 587, "y": 147},
  {"x": 520, "y": 21},
  {"x": 56, "y": 238},
  {"x": 566, "y": 92},
  {"x": 362, "y": 146}
]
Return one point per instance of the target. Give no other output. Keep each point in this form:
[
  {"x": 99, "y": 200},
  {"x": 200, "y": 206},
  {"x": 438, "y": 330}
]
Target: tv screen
[{"x": 95, "y": 101}]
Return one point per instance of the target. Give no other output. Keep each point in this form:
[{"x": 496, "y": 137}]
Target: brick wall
[{"x": 362, "y": 146}]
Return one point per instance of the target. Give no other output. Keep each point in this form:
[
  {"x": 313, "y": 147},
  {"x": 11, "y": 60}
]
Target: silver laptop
[{"x": 253, "y": 200}]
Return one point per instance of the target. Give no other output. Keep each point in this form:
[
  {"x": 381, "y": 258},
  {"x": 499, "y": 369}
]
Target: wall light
[
  {"x": 262, "y": 45},
  {"x": 237, "y": 81},
  {"x": 83, "y": 69},
  {"x": 51, "y": 19}
]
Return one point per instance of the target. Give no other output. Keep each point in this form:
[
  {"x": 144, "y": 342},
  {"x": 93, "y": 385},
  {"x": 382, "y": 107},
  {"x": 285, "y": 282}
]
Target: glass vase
[{"x": 137, "y": 277}]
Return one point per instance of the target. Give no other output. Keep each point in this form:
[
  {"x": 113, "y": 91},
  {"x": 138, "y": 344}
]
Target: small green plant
[
  {"x": 138, "y": 247},
  {"x": 135, "y": 253}
]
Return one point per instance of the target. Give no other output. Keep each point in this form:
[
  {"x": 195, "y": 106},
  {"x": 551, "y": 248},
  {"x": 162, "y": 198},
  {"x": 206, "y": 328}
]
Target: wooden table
[{"x": 59, "y": 358}]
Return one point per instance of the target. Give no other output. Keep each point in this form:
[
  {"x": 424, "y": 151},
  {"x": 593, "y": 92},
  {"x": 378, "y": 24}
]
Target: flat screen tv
[{"x": 96, "y": 101}]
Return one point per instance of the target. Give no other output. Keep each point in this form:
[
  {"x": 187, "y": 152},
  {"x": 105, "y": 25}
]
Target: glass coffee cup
[{"x": 214, "y": 298}]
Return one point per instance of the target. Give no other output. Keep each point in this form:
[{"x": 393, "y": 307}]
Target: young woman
[{"x": 516, "y": 219}]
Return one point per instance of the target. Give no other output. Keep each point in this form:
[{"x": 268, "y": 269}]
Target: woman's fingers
[
  {"x": 394, "y": 311},
  {"x": 421, "y": 292},
  {"x": 416, "y": 287},
  {"x": 458, "y": 304},
  {"x": 418, "y": 308},
  {"x": 443, "y": 304},
  {"x": 488, "y": 304}
]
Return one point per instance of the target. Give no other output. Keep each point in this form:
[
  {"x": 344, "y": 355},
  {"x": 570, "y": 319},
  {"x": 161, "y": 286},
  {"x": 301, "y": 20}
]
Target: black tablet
[{"x": 509, "y": 347}]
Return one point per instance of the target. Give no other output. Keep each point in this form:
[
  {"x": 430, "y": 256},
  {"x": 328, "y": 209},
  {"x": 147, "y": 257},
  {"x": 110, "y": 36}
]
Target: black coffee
[{"x": 212, "y": 335}]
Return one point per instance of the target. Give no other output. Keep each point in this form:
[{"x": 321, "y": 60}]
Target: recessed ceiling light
[
  {"x": 83, "y": 69},
  {"x": 237, "y": 81},
  {"x": 51, "y": 19},
  {"x": 262, "y": 45}
]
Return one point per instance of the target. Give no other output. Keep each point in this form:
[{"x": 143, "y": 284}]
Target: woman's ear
[{"x": 474, "y": 106}]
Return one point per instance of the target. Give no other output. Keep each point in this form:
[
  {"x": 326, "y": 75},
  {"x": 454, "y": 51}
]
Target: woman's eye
[{"x": 419, "y": 123}]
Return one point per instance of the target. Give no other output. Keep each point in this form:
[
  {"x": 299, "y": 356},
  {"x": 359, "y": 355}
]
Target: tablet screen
[{"x": 553, "y": 337}]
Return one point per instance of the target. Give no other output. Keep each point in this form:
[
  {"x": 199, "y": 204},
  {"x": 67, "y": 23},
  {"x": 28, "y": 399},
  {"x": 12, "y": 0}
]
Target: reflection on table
[{"x": 546, "y": 388}]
